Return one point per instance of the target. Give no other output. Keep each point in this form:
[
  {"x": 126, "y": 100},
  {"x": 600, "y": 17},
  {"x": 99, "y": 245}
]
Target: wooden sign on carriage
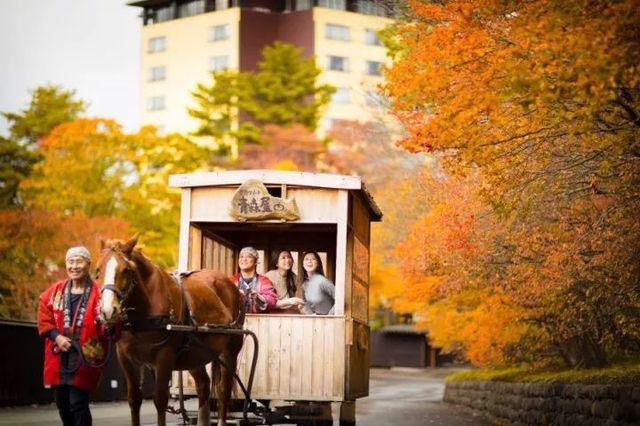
[
  {"x": 316, "y": 358},
  {"x": 252, "y": 201}
]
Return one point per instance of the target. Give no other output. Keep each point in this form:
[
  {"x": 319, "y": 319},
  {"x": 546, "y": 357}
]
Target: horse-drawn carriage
[{"x": 305, "y": 361}]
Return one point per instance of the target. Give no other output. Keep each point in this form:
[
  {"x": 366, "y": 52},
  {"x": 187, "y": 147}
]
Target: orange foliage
[
  {"x": 368, "y": 150},
  {"x": 537, "y": 103},
  {"x": 283, "y": 148},
  {"x": 33, "y": 244},
  {"x": 450, "y": 282}
]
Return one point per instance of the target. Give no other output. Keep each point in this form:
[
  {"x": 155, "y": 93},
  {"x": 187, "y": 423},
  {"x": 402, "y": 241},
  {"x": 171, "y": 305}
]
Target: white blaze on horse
[{"x": 146, "y": 298}]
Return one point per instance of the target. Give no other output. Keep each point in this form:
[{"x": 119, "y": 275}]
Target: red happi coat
[
  {"x": 264, "y": 289},
  {"x": 92, "y": 337}
]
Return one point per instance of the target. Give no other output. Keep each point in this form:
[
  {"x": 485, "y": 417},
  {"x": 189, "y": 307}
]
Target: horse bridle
[{"x": 122, "y": 295}]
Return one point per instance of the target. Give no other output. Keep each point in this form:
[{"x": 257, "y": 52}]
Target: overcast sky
[{"x": 91, "y": 46}]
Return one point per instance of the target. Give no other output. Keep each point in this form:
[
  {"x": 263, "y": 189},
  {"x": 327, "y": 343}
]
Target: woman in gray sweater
[{"x": 319, "y": 292}]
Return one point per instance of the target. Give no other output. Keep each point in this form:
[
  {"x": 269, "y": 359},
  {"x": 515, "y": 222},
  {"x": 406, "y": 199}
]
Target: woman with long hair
[
  {"x": 319, "y": 292},
  {"x": 284, "y": 281}
]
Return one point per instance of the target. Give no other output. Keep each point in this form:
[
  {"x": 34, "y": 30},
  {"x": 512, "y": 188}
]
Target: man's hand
[
  {"x": 63, "y": 342},
  {"x": 260, "y": 301},
  {"x": 290, "y": 302}
]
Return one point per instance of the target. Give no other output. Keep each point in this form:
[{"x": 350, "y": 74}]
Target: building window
[
  {"x": 218, "y": 63},
  {"x": 191, "y": 8},
  {"x": 371, "y": 38},
  {"x": 370, "y": 7},
  {"x": 333, "y": 4},
  {"x": 303, "y": 4},
  {"x": 222, "y": 4},
  {"x": 336, "y": 32},
  {"x": 373, "y": 68},
  {"x": 157, "y": 73},
  {"x": 341, "y": 96},
  {"x": 338, "y": 63},
  {"x": 219, "y": 32},
  {"x": 164, "y": 14},
  {"x": 157, "y": 44},
  {"x": 374, "y": 99},
  {"x": 155, "y": 103}
]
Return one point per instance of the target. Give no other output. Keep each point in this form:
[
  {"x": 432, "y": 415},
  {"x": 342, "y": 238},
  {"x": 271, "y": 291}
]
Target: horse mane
[{"x": 144, "y": 265}]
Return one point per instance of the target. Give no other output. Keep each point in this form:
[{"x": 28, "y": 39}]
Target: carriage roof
[{"x": 273, "y": 177}]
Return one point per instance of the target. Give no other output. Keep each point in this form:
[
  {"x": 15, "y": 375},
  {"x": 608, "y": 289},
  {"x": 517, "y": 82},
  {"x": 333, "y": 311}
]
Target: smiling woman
[{"x": 75, "y": 344}]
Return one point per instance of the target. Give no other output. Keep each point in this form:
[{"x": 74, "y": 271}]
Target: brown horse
[{"x": 149, "y": 298}]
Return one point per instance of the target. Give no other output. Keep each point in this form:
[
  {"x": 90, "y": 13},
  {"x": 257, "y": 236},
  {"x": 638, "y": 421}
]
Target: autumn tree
[
  {"x": 284, "y": 148},
  {"x": 32, "y": 248},
  {"x": 543, "y": 99},
  {"x": 91, "y": 167},
  {"x": 369, "y": 150},
  {"x": 16, "y": 162},
  {"x": 49, "y": 106}
]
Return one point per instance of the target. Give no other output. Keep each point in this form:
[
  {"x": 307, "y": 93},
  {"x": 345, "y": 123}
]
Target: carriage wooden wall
[{"x": 316, "y": 358}]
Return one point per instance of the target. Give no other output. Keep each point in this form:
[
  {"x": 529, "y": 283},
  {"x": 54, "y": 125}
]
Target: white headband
[
  {"x": 250, "y": 251},
  {"x": 78, "y": 252}
]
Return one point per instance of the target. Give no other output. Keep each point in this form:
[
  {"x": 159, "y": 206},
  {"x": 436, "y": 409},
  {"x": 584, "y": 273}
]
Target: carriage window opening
[
  {"x": 275, "y": 191},
  {"x": 262, "y": 266}
]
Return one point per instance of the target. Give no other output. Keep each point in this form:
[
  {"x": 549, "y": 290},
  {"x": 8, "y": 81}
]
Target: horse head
[{"x": 116, "y": 275}]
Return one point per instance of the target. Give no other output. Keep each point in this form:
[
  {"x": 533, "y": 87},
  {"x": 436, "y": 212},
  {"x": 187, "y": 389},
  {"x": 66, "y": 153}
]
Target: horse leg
[
  {"x": 134, "y": 393},
  {"x": 230, "y": 359},
  {"x": 163, "y": 366},
  {"x": 204, "y": 395}
]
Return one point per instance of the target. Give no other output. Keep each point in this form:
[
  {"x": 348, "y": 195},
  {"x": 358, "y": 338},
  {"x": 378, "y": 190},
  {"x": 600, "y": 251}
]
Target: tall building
[{"x": 182, "y": 41}]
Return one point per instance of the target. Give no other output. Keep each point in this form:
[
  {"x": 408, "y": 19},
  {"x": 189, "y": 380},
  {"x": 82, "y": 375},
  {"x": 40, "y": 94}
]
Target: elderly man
[
  {"x": 257, "y": 289},
  {"x": 74, "y": 342}
]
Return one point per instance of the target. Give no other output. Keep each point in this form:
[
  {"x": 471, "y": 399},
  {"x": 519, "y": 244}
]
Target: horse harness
[{"x": 160, "y": 322}]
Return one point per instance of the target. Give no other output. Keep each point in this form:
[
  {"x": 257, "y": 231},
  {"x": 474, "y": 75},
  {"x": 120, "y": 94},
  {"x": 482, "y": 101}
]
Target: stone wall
[{"x": 539, "y": 403}]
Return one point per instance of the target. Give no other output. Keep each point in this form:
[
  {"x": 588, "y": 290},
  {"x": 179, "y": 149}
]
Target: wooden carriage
[{"x": 301, "y": 357}]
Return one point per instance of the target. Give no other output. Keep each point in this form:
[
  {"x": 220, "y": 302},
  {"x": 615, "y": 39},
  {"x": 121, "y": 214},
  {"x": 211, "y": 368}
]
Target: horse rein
[{"x": 132, "y": 283}]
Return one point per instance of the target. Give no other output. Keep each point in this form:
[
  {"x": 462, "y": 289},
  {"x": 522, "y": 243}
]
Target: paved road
[
  {"x": 397, "y": 397},
  {"x": 411, "y": 397}
]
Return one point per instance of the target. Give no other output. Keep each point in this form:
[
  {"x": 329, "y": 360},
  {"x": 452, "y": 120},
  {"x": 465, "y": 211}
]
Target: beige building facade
[{"x": 183, "y": 41}]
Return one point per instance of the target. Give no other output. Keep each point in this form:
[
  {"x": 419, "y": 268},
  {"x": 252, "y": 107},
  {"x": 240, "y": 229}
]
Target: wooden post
[
  {"x": 348, "y": 413},
  {"x": 341, "y": 250},
  {"x": 185, "y": 216}
]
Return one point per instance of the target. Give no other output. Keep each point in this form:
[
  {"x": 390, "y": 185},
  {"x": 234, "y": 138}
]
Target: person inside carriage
[
  {"x": 75, "y": 343},
  {"x": 257, "y": 289},
  {"x": 285, "y": 283},
  {"x": 318, "y": 290}
]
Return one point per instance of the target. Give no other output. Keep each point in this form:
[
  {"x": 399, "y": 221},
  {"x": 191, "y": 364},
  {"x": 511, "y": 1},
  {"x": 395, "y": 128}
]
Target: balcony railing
[{"x": 155, "y": 11}]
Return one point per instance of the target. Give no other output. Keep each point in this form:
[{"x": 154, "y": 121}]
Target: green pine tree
[
  {"x": 49, "y": 107},
  {"x": 235, "y": 106},
  {"x": 218, "y": 108},
  {"x": 285, "y": 90}
]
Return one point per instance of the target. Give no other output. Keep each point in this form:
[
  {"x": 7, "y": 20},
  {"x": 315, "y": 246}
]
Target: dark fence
[
  {"x": 403, "y": 346},
  {"x": 21, "y": 364}
]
